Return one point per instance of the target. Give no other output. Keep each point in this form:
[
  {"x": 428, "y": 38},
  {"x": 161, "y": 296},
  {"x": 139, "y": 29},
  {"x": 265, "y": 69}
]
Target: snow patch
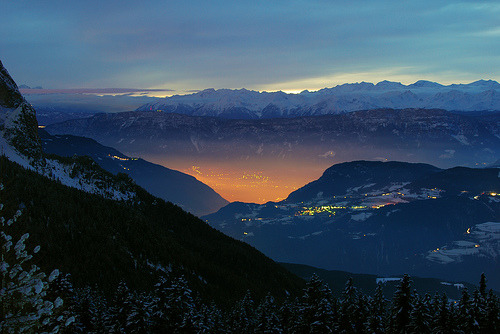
[
  {"x": 461, "y": 139},
  {"x": 384, "y": 280},
  {"x": 361, "y": 216},
  {"x": 448, "y": 154},
  {"x": 484, "y": 240},
  {"x": 329, "y": 154}
]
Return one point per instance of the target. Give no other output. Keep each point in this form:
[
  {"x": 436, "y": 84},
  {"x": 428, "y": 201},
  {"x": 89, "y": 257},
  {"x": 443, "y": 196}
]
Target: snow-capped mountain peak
[{"x": 244, "y": 104}]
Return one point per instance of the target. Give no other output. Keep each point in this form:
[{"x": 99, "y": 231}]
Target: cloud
[
  {"x": 447, "y": 155},
  {"x": 254, "y": 44},
  {"x": 95, "y": 91}
]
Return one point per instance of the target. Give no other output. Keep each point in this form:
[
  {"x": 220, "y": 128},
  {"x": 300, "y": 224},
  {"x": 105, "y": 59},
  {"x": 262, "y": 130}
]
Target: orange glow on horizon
[
  {"x": 247, "y": 181},
  {"x": 243, "y": 185}
]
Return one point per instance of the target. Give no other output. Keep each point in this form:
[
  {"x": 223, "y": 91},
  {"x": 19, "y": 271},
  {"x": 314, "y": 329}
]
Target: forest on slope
[{"x": 102, "y": 242}]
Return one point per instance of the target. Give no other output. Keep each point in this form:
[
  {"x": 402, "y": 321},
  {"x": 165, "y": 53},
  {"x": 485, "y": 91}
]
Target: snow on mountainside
[
  {"x": 481, "y": 240},
  {"x": 19, "y": 142},
  {"x": 477, "y": 96}
]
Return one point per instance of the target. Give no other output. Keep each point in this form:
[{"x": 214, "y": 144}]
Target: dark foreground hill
[
  {"x": 101, "y": 242},
  {"x": 360, "y": 177}
]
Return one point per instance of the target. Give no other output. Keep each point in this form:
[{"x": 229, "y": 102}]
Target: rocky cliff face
[
  {"x": 20, "y": 143},
  {"x": 9, "y": 92},
  {"x": 18, "y": 124}
]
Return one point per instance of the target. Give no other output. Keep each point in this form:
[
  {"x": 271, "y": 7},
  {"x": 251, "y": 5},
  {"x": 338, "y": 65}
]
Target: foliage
[
  {"x": 26, "y": 305},
  {"x": 171, "y": 308}
]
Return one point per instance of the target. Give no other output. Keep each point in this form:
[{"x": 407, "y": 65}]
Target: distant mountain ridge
[
  {"x": 246, "y": 104},
  {"x": 368, "y": 283},
  {"x": 437, "y": 137}
]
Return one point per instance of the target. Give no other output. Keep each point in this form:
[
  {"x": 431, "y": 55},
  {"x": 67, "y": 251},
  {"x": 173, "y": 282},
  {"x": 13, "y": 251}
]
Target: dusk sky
[{"x": 261, "y": 45}]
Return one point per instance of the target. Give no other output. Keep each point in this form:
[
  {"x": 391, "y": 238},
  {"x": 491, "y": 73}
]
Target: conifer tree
[
  {"x": 139, "y": 319},
  {"x": 160, "y": 305},
  {"x": 443, "y": 323},
  {"x": 288, "y": 315},
  {"x": 24, "y": 304},
  {"x": 492, "y": 316},
  {"x": 401, "y": 307},
  {"x": 348, "y": 308},
  {"x": 482, "y": 286},
  {"x": 377, "y": 314},
  {"x": 477, "y": 311},
  {"x": 315, "y": 310},
  {"x": 62, "y": 287},
  {"x": 203, "y": 321},
  {"x": 216, "y": 321},
  {"x": 93, "y": 312},
  {"x": 465, "y": 318},
  {"x": 174, "y": 308},
  {"x": 420, "y": 316},
  {"x": 361, "y": 314},
  {"x": 242, "y": 318},
  {"x": 121, "y": 307},
  {"x": 267, "y": 320}
]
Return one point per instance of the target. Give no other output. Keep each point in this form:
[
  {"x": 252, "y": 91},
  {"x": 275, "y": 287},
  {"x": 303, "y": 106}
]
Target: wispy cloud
[
  {"x": 95, "y": 91},
  {"x": 255, "y": 44}
]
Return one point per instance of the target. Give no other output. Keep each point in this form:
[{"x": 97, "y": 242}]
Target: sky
[{"x": 262, "y": 45}]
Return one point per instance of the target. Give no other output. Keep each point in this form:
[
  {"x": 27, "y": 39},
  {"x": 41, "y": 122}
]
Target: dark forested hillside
[{"x": 101, "y": 242}]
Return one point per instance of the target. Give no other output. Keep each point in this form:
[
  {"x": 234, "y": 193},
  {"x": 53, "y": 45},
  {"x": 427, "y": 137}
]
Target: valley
[
  {"x": 328, "y": 190},
  {"x": 257, "y": 180}
]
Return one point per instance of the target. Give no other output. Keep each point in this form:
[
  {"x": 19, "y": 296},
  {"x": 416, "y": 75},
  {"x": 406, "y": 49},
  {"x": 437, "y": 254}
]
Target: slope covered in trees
[
  {"x": 101, "y": 241},
  {"x": 367, "y": 283},
  {"x": 174, "y": 308}
]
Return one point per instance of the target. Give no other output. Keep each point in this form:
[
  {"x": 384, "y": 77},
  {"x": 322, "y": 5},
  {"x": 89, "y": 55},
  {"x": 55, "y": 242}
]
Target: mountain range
[
  {"x": 434, "y": 136},
  {"x": 381, "y": 218},
  {"x": 482, "y": 95}
]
